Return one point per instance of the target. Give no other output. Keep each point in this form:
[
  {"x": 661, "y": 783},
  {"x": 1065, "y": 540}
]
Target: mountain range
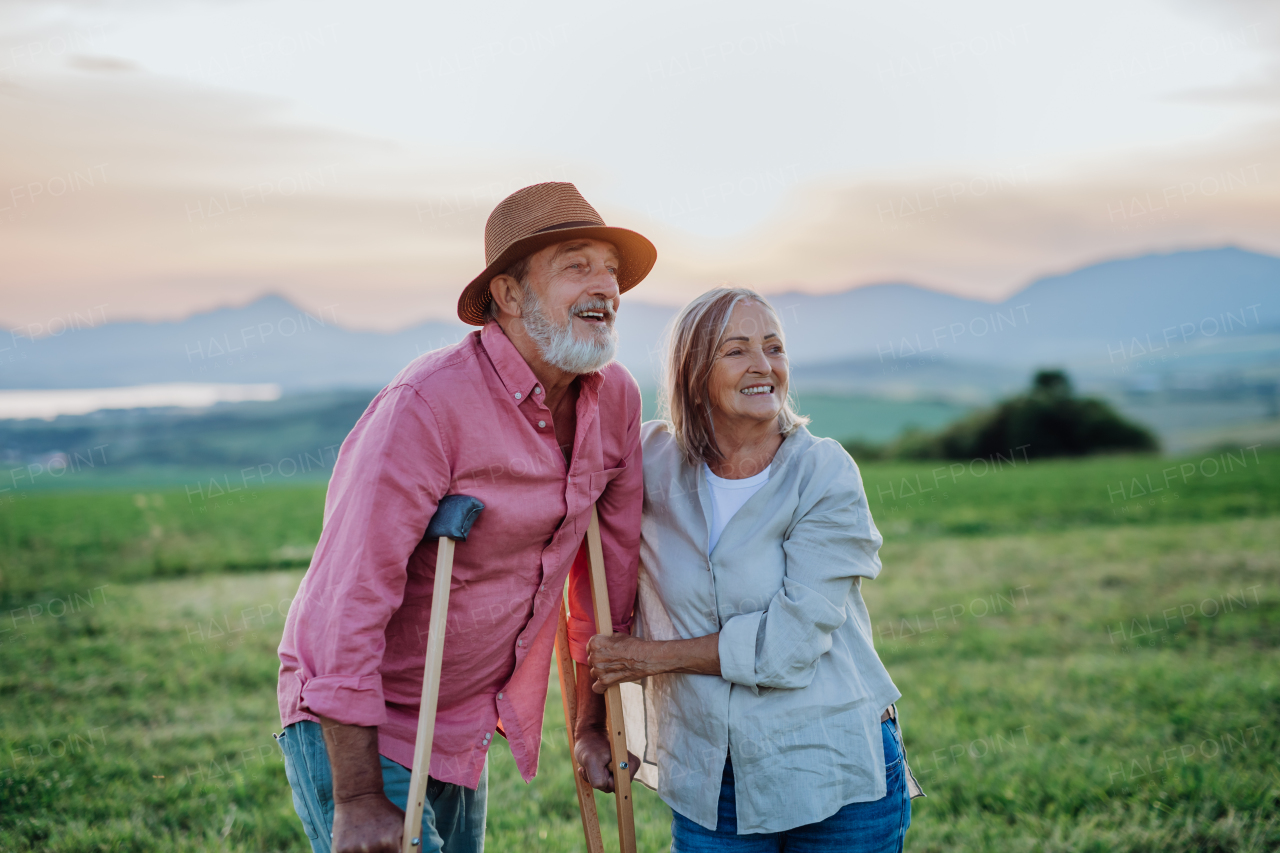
[{"x": 1130, "y": 323}]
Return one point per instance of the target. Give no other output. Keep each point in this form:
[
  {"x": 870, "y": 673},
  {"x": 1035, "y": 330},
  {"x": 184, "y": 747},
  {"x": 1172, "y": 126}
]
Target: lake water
[{"x": 49, "y": 404}]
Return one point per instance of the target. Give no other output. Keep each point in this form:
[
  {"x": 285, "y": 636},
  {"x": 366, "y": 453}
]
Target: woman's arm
[{"x": 621, "y": 658}]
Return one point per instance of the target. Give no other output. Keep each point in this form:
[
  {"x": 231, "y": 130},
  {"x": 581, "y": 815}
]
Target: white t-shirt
[{"x": 727, "y": 497}]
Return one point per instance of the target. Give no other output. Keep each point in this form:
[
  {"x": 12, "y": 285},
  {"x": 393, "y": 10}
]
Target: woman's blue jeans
[{"x": 875, "y": 827}]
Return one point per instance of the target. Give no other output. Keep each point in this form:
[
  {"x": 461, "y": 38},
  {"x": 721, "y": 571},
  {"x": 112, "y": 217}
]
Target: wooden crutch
[
  {"x": 612, "y": 702},
  {"x": 452, "y": 522},
  {"x": 569, "y": 697}
]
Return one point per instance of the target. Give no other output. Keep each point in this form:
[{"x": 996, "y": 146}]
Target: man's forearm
[
  {"x": 353, "y": 758},
  {"x": 591, "y": 707},
  {"x": 591, "y": 748},
  {"x": 363, "y": 817}
]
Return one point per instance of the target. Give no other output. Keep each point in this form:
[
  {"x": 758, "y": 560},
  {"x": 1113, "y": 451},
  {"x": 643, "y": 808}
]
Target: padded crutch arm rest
[{"x": 454, "y": 517}]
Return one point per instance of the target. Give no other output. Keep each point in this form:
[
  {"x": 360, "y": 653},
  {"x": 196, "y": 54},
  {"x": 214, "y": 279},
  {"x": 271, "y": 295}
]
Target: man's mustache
[{"x": 601, "y": 305}]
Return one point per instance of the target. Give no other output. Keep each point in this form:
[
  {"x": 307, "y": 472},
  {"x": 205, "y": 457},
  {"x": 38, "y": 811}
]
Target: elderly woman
[{"x": 768, "y": 717}]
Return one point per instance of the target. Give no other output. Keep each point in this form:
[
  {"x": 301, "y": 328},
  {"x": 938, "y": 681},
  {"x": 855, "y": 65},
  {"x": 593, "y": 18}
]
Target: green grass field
[{"x": 1086, "y": 664}]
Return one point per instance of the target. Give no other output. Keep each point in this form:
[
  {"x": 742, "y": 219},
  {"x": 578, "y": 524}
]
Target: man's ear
[{"x": 506, "y": 294}]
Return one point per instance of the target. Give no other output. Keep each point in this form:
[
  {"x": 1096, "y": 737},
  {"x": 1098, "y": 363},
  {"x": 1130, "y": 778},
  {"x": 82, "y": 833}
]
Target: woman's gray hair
[{"x": 685, "y": 398}]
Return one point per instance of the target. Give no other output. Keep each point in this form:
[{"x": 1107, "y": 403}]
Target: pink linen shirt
[{"x": 467, "y": 419}]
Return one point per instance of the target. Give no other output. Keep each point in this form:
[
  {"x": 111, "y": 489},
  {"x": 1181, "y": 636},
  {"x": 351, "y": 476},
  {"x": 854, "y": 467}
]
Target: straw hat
[{"x": 535, "y": 217}]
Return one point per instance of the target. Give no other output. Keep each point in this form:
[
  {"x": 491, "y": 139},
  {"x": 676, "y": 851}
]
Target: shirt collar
[{"x": 516, "y": 375}]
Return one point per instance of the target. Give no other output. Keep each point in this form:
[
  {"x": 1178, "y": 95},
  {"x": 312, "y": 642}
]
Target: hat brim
[{"x": 636, "y": 257}]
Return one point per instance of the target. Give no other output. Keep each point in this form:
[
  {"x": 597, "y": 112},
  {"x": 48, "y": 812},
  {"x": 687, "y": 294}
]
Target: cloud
[
  {"x": 160, "y": 196},
  {"x": 160, "y": 199},
  {"x": 105, "y": 64},
  {"x": 988, "y": 233},
  {"x": 1247, "y": 25}
]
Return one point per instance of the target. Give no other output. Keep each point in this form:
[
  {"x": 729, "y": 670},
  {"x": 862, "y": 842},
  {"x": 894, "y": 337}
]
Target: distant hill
[
  {"x": 1100, "y": 320},
  {"x": 269, "y": 340},
  {"x": 1123, "y": 322}
]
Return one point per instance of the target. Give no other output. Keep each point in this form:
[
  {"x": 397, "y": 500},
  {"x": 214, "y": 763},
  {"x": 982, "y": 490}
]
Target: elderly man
[{"x": 530, "y": 415}]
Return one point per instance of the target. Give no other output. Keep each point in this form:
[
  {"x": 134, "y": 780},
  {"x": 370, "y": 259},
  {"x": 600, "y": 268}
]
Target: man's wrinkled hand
[
  {"x": 591, "y": 752},
  {"x": 367, "y": 824}
]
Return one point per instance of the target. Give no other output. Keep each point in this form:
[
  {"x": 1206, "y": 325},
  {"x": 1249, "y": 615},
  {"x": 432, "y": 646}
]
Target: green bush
[{"x": 1047, "y": 421}]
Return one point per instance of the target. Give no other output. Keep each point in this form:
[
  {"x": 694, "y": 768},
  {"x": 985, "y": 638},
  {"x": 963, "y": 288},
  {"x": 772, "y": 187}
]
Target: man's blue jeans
[
  {"x": 452, "y": 819},
  {"x": 875, "y": 827}
]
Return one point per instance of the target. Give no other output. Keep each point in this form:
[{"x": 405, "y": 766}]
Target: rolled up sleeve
[
  {"x": 832, "y": 542},
  {"x": 354, "y": 700},
  {"x": 619, "y": 507},
  {"x": 388, "y": 479},
  {"x": 737, "y": 645}
]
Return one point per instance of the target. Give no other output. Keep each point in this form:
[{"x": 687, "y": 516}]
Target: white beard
[{"x": 559, "y": 345}]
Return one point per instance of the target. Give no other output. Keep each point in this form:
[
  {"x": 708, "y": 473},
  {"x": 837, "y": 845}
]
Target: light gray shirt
[{"x": 801, "y": 689}]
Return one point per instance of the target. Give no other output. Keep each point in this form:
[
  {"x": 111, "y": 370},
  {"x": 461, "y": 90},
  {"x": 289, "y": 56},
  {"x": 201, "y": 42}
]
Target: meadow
[{"x": 1087, "y": 652}]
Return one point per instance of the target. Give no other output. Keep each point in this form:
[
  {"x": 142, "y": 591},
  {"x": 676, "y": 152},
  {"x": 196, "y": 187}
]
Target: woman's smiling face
[{"x": 749, "y": 378}]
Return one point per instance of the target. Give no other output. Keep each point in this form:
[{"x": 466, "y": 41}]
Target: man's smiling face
[
  {"x": 576, "y": 283},
  {"x": 571, "y": 301}
]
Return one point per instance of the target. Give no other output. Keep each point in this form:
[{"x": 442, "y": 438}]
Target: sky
[{"x": 158, "y": 159}]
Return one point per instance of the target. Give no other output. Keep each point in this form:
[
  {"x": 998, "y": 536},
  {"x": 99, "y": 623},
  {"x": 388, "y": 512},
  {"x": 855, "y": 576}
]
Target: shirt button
[
  {"x": 542, "y": 424},
  {"x": 519, "y": 642},
  {"x": 517, "y": 395},
  {"x": 537, "y": 389},
  {"x": 499, "y": 695}
]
